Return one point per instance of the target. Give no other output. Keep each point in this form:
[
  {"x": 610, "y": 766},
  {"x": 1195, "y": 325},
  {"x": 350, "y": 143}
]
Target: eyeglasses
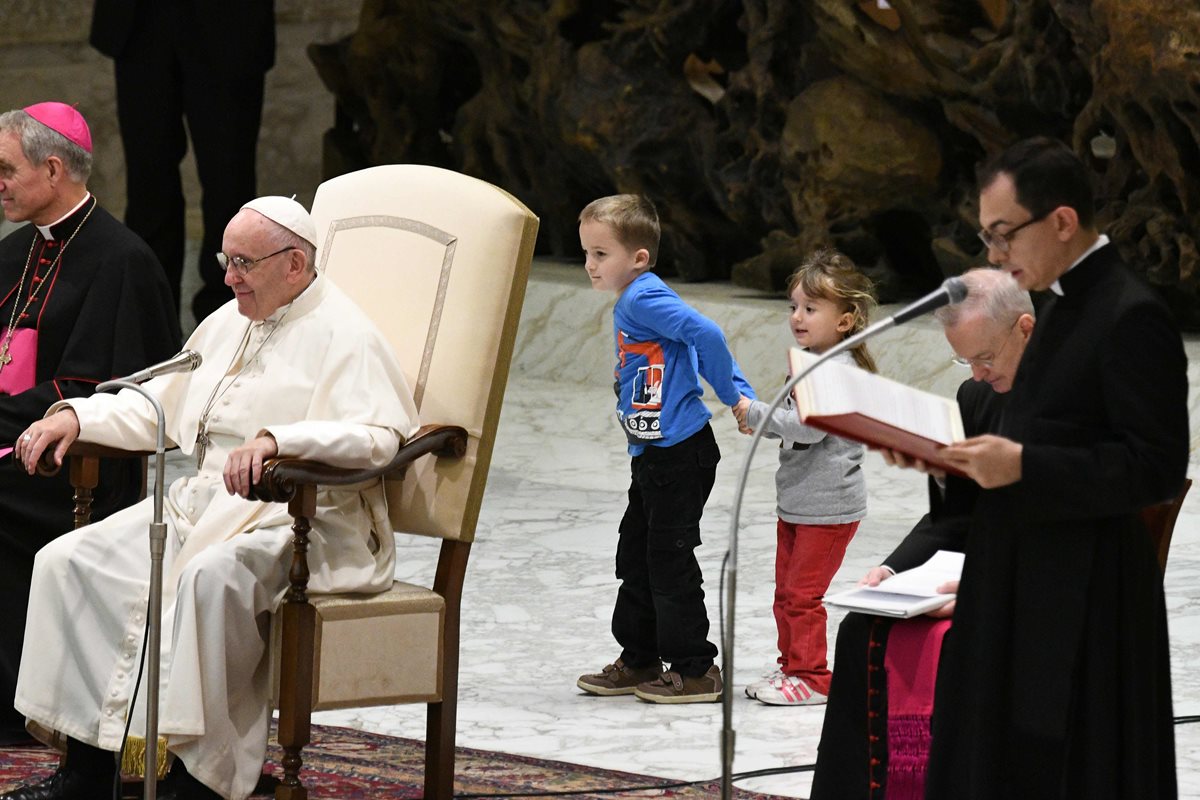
[
  {"x": 1002, "y": 241},
  {"x": 243, "y": 265},
  {"x": 986, "y": 363}
]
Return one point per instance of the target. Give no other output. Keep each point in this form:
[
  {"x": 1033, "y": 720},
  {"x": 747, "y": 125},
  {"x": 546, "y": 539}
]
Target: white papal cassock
[{"x": 323, "y": 381}]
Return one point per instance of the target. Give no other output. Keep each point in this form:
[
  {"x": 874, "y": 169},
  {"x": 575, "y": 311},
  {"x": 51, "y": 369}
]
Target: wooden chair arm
[
  {"x": 46, "y": 465},
  {"x": 281, "y": 476}
]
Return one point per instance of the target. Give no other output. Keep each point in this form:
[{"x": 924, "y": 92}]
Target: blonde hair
[
  {"x": 633, "y": 219},
  {"x": 830, "y": 275}
]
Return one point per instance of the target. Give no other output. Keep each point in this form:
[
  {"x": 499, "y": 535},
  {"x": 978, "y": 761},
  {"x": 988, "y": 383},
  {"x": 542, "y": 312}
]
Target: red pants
[{"x": 806, "y": 559}]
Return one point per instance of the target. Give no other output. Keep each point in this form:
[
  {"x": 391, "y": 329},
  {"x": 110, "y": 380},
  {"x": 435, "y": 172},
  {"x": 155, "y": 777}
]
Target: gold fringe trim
[{"x": 133, "y": 762}]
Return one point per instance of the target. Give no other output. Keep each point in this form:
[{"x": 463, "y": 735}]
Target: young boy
[{"x": 663, "y": 347}]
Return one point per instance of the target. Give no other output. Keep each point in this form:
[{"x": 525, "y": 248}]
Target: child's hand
[{"x": 740, "y": 411}]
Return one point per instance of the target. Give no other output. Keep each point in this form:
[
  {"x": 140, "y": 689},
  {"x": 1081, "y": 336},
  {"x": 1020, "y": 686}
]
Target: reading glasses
[
  {"x": 1002, "y": 241},
  {"x": 989, "y": 361},
  {"x": 243, "y": 265}
]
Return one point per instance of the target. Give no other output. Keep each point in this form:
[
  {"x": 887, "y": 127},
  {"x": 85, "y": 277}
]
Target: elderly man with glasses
[
  {"x": 1055, "y": 681},
  {"x": 292, "y": 367},
  {"x": 864, "y": 753}
]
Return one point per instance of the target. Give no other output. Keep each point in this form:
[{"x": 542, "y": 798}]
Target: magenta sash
[
  {"x": 911, "y": 663},
  {"x": 19, "y": 374}
]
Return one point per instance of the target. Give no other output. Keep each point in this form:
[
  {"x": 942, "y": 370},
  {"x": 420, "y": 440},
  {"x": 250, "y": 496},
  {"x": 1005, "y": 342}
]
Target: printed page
[
  {"x": 943, "y": 566},
  {"x": 907, "y": 593}
]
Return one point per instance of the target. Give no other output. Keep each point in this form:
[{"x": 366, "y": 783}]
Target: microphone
[
  {"x": 185, "y": 361},
  {"x": 952, "y": 290}
]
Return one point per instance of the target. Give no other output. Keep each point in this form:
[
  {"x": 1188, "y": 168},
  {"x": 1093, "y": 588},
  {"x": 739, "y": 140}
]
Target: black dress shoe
[
  {"x": 17, "y": 739},
  {"x": 266, "y": 785},
  {"x": 181, "y": 785},
  {"x": 14, "y": 735},
  {"x": 64, "y": 784}
]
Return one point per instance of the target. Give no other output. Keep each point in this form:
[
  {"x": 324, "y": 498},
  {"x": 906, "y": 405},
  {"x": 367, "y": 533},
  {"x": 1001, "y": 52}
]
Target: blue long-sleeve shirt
[{"x": 663, "y": 348}]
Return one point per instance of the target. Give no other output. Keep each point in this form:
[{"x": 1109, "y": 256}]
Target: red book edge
[{"x": 876, "y": 435}]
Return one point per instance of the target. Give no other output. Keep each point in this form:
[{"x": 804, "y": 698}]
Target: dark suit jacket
[
  {"x": 213, "y": 26},
  {"x": 1055, "y": 680}
]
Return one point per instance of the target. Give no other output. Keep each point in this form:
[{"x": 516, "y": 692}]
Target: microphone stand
[
  {"x": 158, "y": 539},
  {"x": 727, "y": 733}
]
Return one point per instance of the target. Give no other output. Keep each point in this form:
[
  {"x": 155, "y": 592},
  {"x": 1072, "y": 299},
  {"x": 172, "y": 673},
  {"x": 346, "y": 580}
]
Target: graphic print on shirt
[{"x": 642, "y": 422}]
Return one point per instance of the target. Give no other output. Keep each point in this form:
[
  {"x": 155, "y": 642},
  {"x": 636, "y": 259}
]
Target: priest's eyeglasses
[
  {"x": 241, "y": 266},
  {"x": 1002, "y": 241},
  {"x": 989, "y": 361}
]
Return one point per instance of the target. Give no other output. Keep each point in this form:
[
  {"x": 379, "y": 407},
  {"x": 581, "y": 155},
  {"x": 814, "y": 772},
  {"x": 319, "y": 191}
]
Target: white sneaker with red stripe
[
  {"x": 788, "y": 690},
  {"x": 762, "y": 683}
]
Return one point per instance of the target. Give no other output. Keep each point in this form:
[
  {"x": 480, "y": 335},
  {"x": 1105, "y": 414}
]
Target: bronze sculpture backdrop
[{"x": 764, "y": 128}]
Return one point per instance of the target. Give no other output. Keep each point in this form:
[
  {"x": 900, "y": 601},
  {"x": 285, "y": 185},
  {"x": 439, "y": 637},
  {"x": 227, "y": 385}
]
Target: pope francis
[{"x": 290, "y": 367}]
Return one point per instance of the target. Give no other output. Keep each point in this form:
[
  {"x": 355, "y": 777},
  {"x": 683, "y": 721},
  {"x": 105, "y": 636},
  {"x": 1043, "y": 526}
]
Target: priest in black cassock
[
  {"x": 1055, "y": 680},
  {"x": 82, "y": 300}
]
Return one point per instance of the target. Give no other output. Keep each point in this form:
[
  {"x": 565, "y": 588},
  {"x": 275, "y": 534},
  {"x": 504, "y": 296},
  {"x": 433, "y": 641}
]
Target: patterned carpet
[{"x": 351, "y": 765}]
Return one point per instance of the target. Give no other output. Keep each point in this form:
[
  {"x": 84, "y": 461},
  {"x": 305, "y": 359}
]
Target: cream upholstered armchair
[{"x": 439, "y": 261}]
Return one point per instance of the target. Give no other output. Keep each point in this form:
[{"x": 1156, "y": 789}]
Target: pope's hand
[{"x": 243, "y": 468}]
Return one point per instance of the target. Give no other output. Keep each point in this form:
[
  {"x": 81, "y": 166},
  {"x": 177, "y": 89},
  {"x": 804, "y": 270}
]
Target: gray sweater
[{"x": 820, "y": 477}]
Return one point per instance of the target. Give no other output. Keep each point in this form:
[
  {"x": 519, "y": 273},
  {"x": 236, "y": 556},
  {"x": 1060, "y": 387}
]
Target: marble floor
[{"x": 540, "y": 587}]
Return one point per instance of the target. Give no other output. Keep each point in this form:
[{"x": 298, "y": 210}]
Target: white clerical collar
[
  {"x": 1101, "y": 240},
  {"x": 45, "y": 229}
]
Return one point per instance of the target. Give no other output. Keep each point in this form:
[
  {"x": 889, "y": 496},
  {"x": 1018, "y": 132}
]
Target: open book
[
  {"x": 905, "y": 594},
  {"x": 877, "y": 411}
]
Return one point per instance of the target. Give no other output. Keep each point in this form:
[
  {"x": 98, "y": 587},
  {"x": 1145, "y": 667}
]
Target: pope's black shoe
[
  {"x": 64, "y": 784},
  {"x": 16, "y": 736},
  {"x": 181, "y": 785}
]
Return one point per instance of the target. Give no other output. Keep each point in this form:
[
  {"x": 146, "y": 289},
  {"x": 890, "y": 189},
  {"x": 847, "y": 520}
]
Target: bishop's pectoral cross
[
  {"x": 5, "y": 358},
  {"x": 202, "y": 443}
]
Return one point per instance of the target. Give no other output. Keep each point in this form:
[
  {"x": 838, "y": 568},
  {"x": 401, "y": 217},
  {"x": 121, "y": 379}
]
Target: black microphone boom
[
  {"x": 185, "y": 361},
  {"x": 952, "y": 291}
]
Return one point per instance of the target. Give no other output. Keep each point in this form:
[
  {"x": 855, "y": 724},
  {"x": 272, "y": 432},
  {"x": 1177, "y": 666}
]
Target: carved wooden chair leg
[
  {"x": 84, "y": 476},
  {"x": 298, "y": 618}
]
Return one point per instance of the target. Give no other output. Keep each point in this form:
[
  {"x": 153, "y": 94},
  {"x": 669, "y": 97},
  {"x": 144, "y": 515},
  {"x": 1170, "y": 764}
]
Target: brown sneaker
[
  {"x": 671, "y": 687},
  {"x": 617, "y": 679}
]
